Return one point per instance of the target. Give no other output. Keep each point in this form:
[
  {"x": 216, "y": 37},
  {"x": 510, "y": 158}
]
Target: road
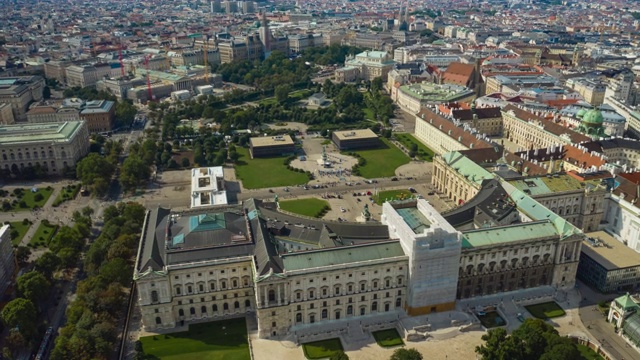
[
  {"x": 601, "y": 331},
  {"x": 152, "y": 200}
]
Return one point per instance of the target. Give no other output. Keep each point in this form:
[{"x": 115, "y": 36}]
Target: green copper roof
[
  {"x": 467, "y": 168},
  {"x": 427, "y": 91},
  {"x": 341, "y": 255},
  {"x": 593, "y": 116},
  {"x": 537, "y": 212},
  {"x": 547, "y": 185},
  {"x": 507, "y": 234},
  {"x": 26, "y": 133},
  {"x": 626, "y": 302}
]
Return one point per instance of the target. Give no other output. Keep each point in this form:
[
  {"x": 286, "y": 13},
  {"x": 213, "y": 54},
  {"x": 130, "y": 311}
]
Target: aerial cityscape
[{"x": 362, "y": 179}]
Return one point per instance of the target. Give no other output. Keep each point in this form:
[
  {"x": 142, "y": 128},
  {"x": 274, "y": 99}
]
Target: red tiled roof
[{"x": 458, "y": 73}]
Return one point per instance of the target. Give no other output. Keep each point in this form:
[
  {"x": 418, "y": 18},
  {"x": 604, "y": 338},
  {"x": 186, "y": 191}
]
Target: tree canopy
[
  {"x": 20, "y": 313},
  {"x": 533, "y": 340},
  {"x": 33, "y": 286},
  {"x": 406, "y": 354}
]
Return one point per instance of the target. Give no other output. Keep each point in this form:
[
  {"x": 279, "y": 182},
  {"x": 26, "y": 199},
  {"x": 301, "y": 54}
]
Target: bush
[
  {"x": 22, "y": 204},
  {"x": 25, "y": 221},
  {"x": 38, "y": 197}
]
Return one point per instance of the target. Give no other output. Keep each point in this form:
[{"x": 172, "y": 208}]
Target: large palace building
[{"x": 292, "y": 272}]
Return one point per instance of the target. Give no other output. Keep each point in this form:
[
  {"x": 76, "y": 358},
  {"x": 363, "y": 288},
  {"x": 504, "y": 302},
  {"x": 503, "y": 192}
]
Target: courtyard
[{"x": 546, "y": 310}]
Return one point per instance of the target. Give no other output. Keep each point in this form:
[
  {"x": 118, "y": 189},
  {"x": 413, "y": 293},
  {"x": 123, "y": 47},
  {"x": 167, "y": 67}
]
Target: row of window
[
  {"x": 324, "y": 291},
  {"x": 212, "y": 286},
  {"x": 324, "y": 314},
  {"x": 223, "y": 271},
  {"x": 214, "y": 308}
]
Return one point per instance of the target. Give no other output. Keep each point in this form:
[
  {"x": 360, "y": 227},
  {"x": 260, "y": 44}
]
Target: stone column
[
  {"x": 286, "y": 293},
  {"x": 278, "y": 289},
  {"x": 266, "y": 296}
]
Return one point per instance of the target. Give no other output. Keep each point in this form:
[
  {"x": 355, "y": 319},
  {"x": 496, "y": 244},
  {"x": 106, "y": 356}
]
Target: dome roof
[
  {"x": 593, "y": 117},
  {"x": 581, "y": 113}
]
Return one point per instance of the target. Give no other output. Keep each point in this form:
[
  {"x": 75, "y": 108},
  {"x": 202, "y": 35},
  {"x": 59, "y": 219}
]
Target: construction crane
[
  {"x": 120, "y": 59},
  {"x": 146, "y": 66}
]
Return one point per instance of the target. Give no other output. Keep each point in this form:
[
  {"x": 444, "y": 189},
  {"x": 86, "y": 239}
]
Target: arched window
[
  {"x": 215, "y": 308},
  {"x": 212, "y": 285},
  {"x": 363, "y": 310},
  {"x": 154, "y": 296},
  {"x": 247, "y": 303},
  {"x": 192, "y": 311},
  {"x": 223, "y": 284},
  {"x": 189, "y": 289},
  {"x": 181, "y": 312},
  {"x": 299, "y": 317},
  {"x": 225, "y": 306},
  {"x": 158, "y": 320},
  {"x": 324, "y": 313},
  {"x": 398, "y": 302},
  {"x": 236, "y": 305},
  {"x": 203, "y": 309},
  {"x": 337, "y": 314},
  {"x": 349, "y": 310},
  {"x": 386, "y": 307},
  {"x": 272, "y": 295},
  {"x": 178, "y": 290},
  {"x": 374, "y": 306}
]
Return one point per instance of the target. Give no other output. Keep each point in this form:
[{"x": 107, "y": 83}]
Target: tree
[
  {"x": 47, "y": 264},
  {"x": 406, "y": 354},
  {"x": 33, "y": 286},
  {"x": 20, "y": 313},
  {"x": 185, "y": 162},
  {"x": 134, "y": 171},
  {"x": 22, "y": 254},
  {"x": 94, "y": 171},
  {"x": 116, "y": 270},
  {"x": 282, "y": 93},
  {"x": 533, "y": 340},
  {"x": 125, "y": 112}
]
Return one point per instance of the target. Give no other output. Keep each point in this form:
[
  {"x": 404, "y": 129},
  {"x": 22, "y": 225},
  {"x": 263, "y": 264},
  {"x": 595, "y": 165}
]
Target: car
[
  {"x": 431, "y": 193},
  {"x": 343, "y": 209},
  {"x": 412, "y": 190},
  {"x": 520, "y": 317}
]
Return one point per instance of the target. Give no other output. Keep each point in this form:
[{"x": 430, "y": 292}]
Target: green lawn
[
  {"x": 67, "y": 193},
  {"x": 368, "y": 114},
  {"x": 28, "y": 197},
  {"x": 219, "y": 340},
  {"x": 383, "y": 161},
  {"x": 587, "y": 353},
  {"x": 321, "y": 349},
  {"x": 387, "y": 338},
  {"x": 309, "y": 207},
  {"x": 391, "y": 195},
  {"x": 423, "y": 153},
  {"x": 43, "y": 235},
  {"x": 22, "y": 230},
  {"x": 266, "y": 172},
  {"x": 548, "y": 310}
]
